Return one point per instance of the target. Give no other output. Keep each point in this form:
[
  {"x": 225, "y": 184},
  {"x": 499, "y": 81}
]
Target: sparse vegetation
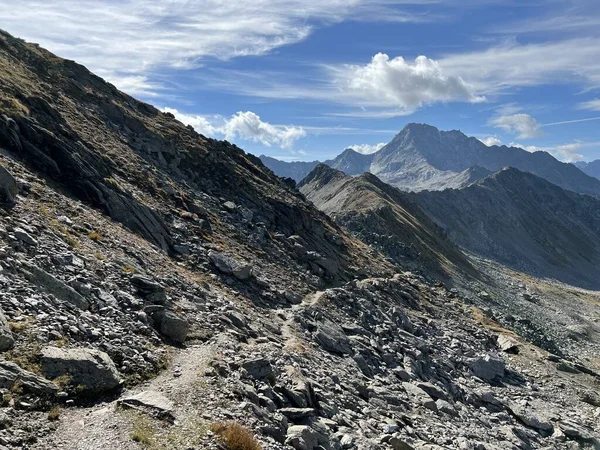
[
  {"x": 95, "y": 236},
  {"x": 63, "y": 381},
  {"x": 54, "y": 413},
  {"x": 143, "y": 430},
  {"x": 235, "y": 436}
]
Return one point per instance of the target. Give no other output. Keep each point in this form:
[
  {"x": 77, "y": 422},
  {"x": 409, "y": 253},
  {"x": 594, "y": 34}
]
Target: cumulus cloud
[
  {"x": 491, "y": 140},
  {"x": 243, "y": 125},
  {"x": 401, "y": 84},
  {"x": 591, "y": 105},
  {"x": 522, "y": 125},
  {"x": 247, "y": 125},
  {"x": 367, "y": 149},
  {"x": 201, "y": 124}
]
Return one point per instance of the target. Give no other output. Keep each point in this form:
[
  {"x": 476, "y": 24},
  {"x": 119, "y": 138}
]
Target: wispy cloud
[
  {"x": 244, "y": 125},
  {"x": 124, "y": 40},
  {"x": 591, "y": 105}
]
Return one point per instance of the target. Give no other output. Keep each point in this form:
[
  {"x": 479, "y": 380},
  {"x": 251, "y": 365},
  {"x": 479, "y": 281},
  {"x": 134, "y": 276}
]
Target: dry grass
[
  {"x": 235, "y": 436},
  {"x": 488, "y": 323},
  {"x": 95, "y": 236},
  {"x": 54, "y": 413}
]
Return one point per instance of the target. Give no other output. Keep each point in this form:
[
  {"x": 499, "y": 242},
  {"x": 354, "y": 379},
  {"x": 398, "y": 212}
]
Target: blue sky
[{"x": 305, "y": 79}]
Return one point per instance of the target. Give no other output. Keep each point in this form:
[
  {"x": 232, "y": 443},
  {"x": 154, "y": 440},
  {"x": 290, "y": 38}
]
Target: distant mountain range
[
  {"x": 421, "y": 157},
  {"x": 591, "y": 168},
  {"x": 385, "y": 218},
  {"x": 525, "y": 222}
]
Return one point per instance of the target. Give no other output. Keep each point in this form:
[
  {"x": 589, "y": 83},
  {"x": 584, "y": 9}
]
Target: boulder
[
  {"x": 531, "y": 419},
  {"x": 419, "y": 396},
  {"x": 10, "y": 373},
  {"x": 398, "y": 443},
  {"x": 6, "y": 338},
  {"x": 488, "y": 367},
  {"x": 8, "y": 186},
  {"x": 230, "y": 266},
  {"x": 25, "y": 237},
  {"x": 508, "y": 344},
  {"x": 54, "y": 286},
  {"x": 301, "y": 437},
  {"x": 332, "y": 338},
  {"x": 93, "y": 370},
  {"x": 174, "y": 327},
  {"x": 149, "y": 289},
  {"x": 259, "y": 368},
  {"x": 153, "y": 401}
]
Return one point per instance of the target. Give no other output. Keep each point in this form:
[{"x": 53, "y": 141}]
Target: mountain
[
  {"x": 591, "y": 168},
  {"x": 385, "y": 218},
  {"x": 156, "y": 284},
  {"x": 524, "y": 222},
  {"x": 421, "y": 157},
  {"x": 296, "y": 170}
]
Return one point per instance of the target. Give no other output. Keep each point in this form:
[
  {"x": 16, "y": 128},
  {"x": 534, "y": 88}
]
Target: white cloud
[
  {"x": 592, "y": 105},
  {"x": 509, "y": 65},
  {"x": 569, "y": 152},
  {"x": 522, "y": 125},
  {"x": 125, "y": 41},
  {"x": 243, "y": 125},
  {"x": 247, "y": 125},
  {"x": 491, "y": 140},
  {"x": 367, "y": 149},
  {"x": 400, "y": 84}
]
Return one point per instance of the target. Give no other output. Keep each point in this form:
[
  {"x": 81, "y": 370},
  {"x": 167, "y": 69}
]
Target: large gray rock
[
  {"x": 488, "y": 367},
  {"x": 302, "y": 437},
  {"x": 332, "y": 338},
  {"x": 259, "y": 368},
  {"x": 10, "y": 374},
  {"x": 54, "y": 286},
  {"x": 8, "y": 186},
  {"x": 93, "y": 370},
  {"x": 153, "y": 401},
  {"x": 174, "y": 327},
  {"x": 230, "y": 265},
  {"x": 151, "y": 290},
  {"x": 6, "y": 338},
  {"x": 531, "y": 418}
]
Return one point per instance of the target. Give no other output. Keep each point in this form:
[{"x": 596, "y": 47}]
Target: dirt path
[{"x": 105, "y": 427}]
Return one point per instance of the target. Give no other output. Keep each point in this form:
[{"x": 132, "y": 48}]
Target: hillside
[
  {"x": 525, "y": 222},
  {"x": 385, "y": 218}
]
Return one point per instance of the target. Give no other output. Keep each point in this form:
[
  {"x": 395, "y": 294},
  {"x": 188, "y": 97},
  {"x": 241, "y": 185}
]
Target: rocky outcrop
[
  {"x": 14, "y": 378},
  {"x": 91, "y": 370},
  {"x": 8, "y": 186},
  {"x": 6, "y": 338}
]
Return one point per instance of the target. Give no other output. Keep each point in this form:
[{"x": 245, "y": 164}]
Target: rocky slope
[
  {"x": 591, "y": 168},
  {"x": 525, "y": 222},
  {"x": 421, "y": 157},
  {"x": 160, "y": 290},
  {"x": 385, "y": 218}
]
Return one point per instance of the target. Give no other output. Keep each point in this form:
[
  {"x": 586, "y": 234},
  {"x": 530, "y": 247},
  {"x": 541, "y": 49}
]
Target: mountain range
[
  {"x": 421, "y": 157},
  {"x": 592, "y": 168}
]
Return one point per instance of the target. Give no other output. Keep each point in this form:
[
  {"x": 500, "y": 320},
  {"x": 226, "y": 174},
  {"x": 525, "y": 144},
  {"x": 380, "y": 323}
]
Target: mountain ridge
[
  {"x": 525, "y": 222},
  {"x": 421, "y": 157}
]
